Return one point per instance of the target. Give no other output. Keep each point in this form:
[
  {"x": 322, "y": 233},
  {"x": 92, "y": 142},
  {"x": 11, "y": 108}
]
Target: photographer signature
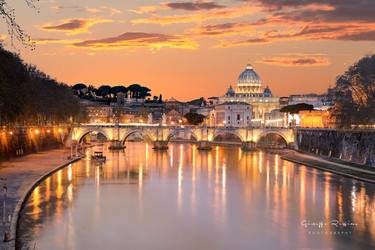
[{"x": 332, "y": 223}]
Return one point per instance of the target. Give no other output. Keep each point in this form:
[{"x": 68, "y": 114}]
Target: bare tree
[{"x": 8, "y": 14}]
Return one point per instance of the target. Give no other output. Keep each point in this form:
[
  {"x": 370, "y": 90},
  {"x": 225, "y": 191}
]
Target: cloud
[
  {"x": 225, "y": 29},
  {"x": 200, "y": 16},
  {"x": 150, "y": 9},
  {"x": 286, "y": 20},
  {"x": 328, "y": 31},
  {"x": 55, "y": 41},
  {"x": 74, "y": 26},
  {"x": 297, "y": 60},
  {"x": 91, "y": 10},
  {"x": 138, "y": 40},
  {"x": 104, "y": 9},
  {"x": 319, "y": 11},
  {"x": 193, "y": 6}
]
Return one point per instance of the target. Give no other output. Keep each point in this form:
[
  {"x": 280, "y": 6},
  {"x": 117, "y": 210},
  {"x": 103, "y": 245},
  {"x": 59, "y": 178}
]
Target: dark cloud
[
  {"x": 193, "y": 6},
  {"x": 318, "y": 10},
  {"x": 72, "y": 24},
  {"x": 138, "y": 39}
]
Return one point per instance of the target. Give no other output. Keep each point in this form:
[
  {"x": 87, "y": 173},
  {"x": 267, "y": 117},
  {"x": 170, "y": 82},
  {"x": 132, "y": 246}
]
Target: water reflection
[{"x": 187, "y": 199}]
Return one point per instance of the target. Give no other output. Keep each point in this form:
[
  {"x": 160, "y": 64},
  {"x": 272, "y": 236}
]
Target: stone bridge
[{"x": 160, "y": 135}]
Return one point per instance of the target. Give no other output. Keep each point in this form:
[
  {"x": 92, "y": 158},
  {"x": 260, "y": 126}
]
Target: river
[{"x": 187, "y": 199}]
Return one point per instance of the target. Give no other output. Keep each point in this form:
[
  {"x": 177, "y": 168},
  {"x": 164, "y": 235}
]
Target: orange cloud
[
  {"x": 74, "y": 26},
  {"x": 200, "y": 16},
  {"x": 95, "y": 10},
  {"x": 55, "y": 41},
  {"x": 225, "y": 29},
  {"x": 297, "y": 60},
  {"x": 138, "y": 40},
  {"x": 309, "y": 31}
]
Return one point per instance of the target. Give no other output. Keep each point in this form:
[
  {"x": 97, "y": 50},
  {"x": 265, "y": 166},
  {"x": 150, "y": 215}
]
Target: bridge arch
[
  {"x": 82, "y": 134},
  {"x": 188, "y": 134},
  {"x": 142, "y": 133},
  {"x": 272, "y": 137},
  {"x": 235, "y": 133}
]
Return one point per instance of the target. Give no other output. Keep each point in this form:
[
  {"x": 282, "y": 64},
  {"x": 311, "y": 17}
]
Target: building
[
  {"x": 231, "y": 114},
  {"x": 250, "y": 90},
  {"x": 284, "y": 101},
  {"x": 319, "y": 101},
  {"x": 174, "y": 117},
  {"x": 275, "y": 118},
  {"x": 316, "y": 119},
  {"x": 213, "y": 100},
  {"x": 181, "y": 107},
  {"x": 99, "y": 113},
  {"x": 312, "y": 99}
]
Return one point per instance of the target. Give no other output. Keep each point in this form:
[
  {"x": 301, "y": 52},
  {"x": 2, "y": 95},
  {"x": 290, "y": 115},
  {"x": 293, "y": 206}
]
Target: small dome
[
  {"x": 267, "y": 92},
  {"x": 249, "y": 77},
  {"x": 230, "y": 91}
]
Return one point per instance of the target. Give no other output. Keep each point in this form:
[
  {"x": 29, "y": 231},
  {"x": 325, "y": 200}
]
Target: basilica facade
[{"x": 249, "y": 89}]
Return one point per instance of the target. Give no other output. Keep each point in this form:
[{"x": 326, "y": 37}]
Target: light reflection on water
[{"x": 187, "y": 199}]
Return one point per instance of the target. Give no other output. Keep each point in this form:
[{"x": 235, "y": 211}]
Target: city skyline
[{"x": 188, "y": 49}]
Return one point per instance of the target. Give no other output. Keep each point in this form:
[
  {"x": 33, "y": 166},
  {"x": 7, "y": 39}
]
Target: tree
[
  {"x": 104, "y": 91},
  {"x": 144, "y": 92},
  {"x": 8, "y": 14},
  {"x": 79, "y": 86},
  {"x": 296, "y": 108},
  {"x": 135, "y": 89},
  {"x": 119, "y": 89},
  {"x": 194, "y": 118},
  {"x": 29, "y": 96},
  {"x": 355, "y": 94}
]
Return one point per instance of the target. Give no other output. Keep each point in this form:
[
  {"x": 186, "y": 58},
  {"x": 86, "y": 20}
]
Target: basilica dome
[{"x": 249, "y": 77}]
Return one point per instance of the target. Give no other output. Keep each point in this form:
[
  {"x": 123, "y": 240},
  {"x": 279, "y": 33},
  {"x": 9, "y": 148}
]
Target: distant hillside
[{"x": 29, "y": 96}]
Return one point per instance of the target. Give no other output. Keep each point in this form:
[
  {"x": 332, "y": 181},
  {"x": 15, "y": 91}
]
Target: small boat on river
[{"x": 98, "y": 156}]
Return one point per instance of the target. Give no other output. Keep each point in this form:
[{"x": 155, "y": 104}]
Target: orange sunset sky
[{"x": 188, "y": 49}]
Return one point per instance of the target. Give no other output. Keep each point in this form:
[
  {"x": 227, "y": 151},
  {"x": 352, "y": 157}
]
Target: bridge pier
[
  {"x": 160, "y": 145},
  {"x": 116, "y": 145},
  {"x": 248, "y": 146},
  {"x": 204, "y": 145}
]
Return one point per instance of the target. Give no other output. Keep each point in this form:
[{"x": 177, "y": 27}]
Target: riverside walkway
[
  {"x": 335, "y": 166},
  {"x": 17, "y": 176}
]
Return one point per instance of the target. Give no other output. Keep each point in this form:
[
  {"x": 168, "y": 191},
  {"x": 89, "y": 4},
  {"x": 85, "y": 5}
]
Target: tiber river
[{"x": 187, "y": 199}]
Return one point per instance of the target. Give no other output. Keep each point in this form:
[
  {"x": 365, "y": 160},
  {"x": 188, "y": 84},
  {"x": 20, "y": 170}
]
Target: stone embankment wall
[
  {"x": 15, "y": 142},
  {"x": 348, "y": 145}
]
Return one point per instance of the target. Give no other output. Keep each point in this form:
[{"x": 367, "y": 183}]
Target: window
[{"x": 238, "y": 117}]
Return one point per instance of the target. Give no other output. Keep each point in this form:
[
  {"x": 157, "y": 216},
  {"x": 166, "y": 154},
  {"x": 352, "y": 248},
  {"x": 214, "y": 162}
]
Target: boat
[{"x": 98, "y": 156}]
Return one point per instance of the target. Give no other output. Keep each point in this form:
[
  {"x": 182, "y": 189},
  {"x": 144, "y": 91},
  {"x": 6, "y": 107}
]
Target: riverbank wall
[
  {"x": 19, "y": 141},
  {"x": 357, "y": 147}
]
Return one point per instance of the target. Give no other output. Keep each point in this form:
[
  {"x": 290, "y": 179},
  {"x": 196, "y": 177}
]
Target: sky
[{"x": 188, "y": 49}]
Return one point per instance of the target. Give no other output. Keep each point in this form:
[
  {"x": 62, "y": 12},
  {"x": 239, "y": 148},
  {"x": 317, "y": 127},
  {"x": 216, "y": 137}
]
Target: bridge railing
[{"x": 155, "y": 125}]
